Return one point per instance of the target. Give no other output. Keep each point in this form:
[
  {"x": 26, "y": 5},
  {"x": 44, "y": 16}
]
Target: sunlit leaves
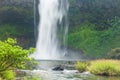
[{"x": 12, "y": 55}]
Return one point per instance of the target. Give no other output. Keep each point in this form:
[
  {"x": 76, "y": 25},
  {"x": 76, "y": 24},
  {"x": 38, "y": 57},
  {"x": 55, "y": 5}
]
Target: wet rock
[{"x": 58, "y": 68}]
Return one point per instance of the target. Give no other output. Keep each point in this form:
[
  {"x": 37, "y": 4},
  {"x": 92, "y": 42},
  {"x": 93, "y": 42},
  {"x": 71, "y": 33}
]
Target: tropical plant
[{"x": 13, "y": 56}]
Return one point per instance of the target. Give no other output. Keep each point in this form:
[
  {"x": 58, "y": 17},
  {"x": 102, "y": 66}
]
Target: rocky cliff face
[
  {"x": 17, "y": 20},
  {"x": 16, "y": 2},
  {"x": 11, "y": 9}
]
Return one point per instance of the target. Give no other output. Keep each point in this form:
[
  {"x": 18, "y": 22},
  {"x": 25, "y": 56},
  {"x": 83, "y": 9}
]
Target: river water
[
  {"x": 44, "y": 71},
  {"x": 69, "y": 75}
]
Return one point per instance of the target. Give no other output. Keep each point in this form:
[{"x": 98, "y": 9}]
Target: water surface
[{"x": 45, "y": 71}]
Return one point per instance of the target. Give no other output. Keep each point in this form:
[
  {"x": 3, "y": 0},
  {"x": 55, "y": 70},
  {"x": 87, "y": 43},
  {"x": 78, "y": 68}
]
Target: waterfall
[{"x": 52, "y": 29}]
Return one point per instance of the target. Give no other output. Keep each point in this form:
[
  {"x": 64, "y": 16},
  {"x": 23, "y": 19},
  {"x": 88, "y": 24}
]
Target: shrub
[
  {"x": 114, "y": 53},
  {"x": 95, "y": 43},
  {"x": 81, "y": 66},
  {"x": 8, "y": 75},
  {"x": 7, "y": 30},
  {"x": 12, "y": 56},
  {"x": 105, "y": 67}
]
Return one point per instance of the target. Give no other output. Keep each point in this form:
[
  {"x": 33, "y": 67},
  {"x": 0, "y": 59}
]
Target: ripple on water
[
  {"x": 68, "y": 75},
  {"x": 60, "y": 75}
]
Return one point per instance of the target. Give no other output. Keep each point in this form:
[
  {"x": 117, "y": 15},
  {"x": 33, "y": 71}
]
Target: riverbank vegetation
[
  {"x": 13, "y": 57},
  {"x": 102, "y": 67},
  {"x": 81, "y": 66},
  {"x": 94, "y": 27}
]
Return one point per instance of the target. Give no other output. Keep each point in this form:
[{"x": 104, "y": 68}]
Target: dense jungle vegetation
[
  {"x": 17, "y": 21},
  {"x": 94, "y": 25}
]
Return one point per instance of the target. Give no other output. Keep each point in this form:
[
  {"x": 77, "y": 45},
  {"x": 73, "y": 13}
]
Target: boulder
[{"x": 58, "y": 68}]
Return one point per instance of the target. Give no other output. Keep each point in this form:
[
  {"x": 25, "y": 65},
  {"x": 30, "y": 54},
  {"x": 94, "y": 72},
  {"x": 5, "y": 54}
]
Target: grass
[
  {"x": 81, "y": 66},
  {"x": 102, "y": 67},
  {"x": 105, "y": 67}
]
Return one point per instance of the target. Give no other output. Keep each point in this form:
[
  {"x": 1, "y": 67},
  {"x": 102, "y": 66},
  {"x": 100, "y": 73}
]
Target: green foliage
[
  {"x": 105, "y": 67},
  {"x": 85, "y": 38},
  {"x": 93, "y": 42},
  {"x": 94, "y": 26},
  {"x": 100, "y": 67},
  {"x": 24, "y": 35},
  {"x": 4, "y": 8},
  {"x": 10, "y": 30},
  {"x": 81, "y": 66},
  {"x": 13, "y": 56},
  {"x": 31, "y": 64},
  {"x": 7, "y": 30},
  {"x": 114, "y": 53},
  {"x": 97, "y": 12},
  {"x": 8, "y": 75},
  {"x": 17, "y": 21}
]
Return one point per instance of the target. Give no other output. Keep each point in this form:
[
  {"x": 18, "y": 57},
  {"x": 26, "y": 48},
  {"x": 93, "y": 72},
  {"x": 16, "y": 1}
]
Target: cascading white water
[{"x": 52, "y": 21}]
